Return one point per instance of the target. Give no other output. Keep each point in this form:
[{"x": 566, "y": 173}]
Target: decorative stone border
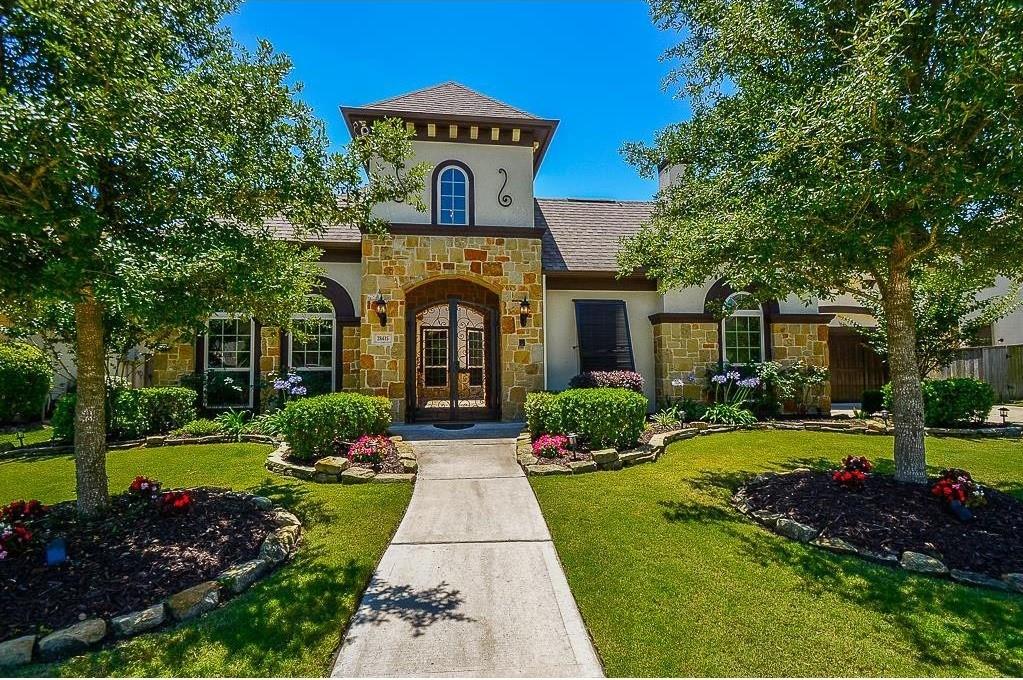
[
  {"x": 909, "y": 560},
  {"x": 337, "y": 469},
  {"x": 148, "y": 442},
  {"x": 604, "y": 459},
  {"x": 278, "y": 546}
]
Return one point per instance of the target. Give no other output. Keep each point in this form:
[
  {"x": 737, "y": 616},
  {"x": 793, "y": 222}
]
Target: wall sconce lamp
[
  {"x": 380, "y": 307},
  {"x": 524, "y": 310},
  {"x": 1004, "y": 413}
]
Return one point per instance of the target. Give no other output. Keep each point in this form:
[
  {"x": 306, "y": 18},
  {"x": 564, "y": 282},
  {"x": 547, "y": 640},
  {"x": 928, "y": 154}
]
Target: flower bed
[
  {"x": 158, "y": 556},
  {"x": 910, "y": 525},
  {"x": 372, "y": 458}
]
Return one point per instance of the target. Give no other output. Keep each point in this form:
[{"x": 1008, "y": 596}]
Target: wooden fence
[{"x": 1001, "y": 367}]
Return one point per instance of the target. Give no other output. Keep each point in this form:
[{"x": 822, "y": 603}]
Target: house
[{"x": 491, "y": 293}]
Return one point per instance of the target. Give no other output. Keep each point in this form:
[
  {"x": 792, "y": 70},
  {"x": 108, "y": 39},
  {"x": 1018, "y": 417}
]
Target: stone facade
[
  {"x": 806, "y": 341},
  {"x": 393, "y": 265},
  {"x": 169, "y": 366},
  {"x": 349, "y": 367},
  {"x": 681, "y": 348}
]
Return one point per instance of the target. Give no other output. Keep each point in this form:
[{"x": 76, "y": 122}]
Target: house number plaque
[{"x": 383, "y": 339}]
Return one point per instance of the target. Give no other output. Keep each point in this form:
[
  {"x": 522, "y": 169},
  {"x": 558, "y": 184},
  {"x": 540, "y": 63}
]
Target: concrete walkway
[{"x": 471, "y": 584}]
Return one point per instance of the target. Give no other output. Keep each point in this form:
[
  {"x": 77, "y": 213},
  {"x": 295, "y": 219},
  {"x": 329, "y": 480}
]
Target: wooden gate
[
  {"x": 1000, "y": 366},
  {"x": 853, "y": 365}
]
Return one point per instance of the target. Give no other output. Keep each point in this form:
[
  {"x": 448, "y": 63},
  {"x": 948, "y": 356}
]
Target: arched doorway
[{"x": 452, "y": 344}]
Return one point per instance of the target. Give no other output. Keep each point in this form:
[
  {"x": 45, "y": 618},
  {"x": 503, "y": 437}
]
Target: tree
[
  {"x": 951, "y": 310},
  {"x": 141, "y": 151},
  {"x": 835, "y": 145}
]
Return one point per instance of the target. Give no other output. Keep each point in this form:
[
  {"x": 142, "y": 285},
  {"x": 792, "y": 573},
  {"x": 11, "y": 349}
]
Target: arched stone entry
[{"x": 452, "y": 344}]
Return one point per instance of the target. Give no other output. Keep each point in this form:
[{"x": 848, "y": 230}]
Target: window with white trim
[
  {"x": 229, "y": 347},
  {"x": 453, "y": 195},
  {"x": 742, "y": 331},
  {"x": 311, "y": 349}
]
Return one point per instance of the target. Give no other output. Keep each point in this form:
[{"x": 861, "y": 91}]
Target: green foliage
[
  {"x": 135, "y": 413},
  {"x": 872, "y": 401},
  {"x": 951, "y": 402},
  {"x": 200, "y": 427},
  {"x": 667, "y": 417},
  {"x": 25, "y": 379},
  {"x": 542, "y": 414},
  {"x": 729, "y": 414},
  {"x": 952, "y": 308},
  {"x": 311, "y": 425},
  {"x": 684, "y": 408},
  {"x": 234, "y": 423},
  {"x": 603, "y": 416},
  {"x": 270, "y": 424}
]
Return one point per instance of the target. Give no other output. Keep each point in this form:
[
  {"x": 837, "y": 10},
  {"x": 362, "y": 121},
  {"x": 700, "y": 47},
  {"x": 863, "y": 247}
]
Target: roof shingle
[
  {"x": 586, "y": 235},
  {"x": 450, "y": 98}
]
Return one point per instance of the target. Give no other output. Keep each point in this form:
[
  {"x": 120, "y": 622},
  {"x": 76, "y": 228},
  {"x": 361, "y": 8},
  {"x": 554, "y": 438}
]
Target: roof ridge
[
  {"x": 383, "y": 103},
  {"x": 593, "y": 200}
]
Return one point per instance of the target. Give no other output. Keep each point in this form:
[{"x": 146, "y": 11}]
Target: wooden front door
[{"x": 853, "y": 365}]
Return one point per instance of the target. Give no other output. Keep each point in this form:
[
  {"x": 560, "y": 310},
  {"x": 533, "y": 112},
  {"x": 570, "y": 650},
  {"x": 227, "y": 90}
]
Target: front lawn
[
  {"x": 288, "y": 625},
  {"x": 36, "y": 433},
  {"x": 672, "y": 581}
]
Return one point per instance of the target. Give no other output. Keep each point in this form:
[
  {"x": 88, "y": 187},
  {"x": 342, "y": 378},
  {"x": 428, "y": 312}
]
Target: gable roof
[
  {"x": 585, "y": 235},
  {"x": 450, "y": 98}
]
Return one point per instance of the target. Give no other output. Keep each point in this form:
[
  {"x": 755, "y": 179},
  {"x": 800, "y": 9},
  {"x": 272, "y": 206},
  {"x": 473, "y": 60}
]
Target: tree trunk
[
  {"x": 90, "y": 416},
  {"x": 907, "y": 392}
]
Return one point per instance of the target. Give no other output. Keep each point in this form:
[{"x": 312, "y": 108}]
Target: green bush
[
  {"x": 951, "y": 402},
  {"x": 602, "y": 416},
  {"x": 729, "y": 414},
  {"x": 201, "y": 427},
  {"x": 311, "y": 425},
  {"x": 135, "y": 412},
  {"x": 872, "y": 401},
  {"x": 542, "y": 414},
  {"x": 25, "y": 379}
]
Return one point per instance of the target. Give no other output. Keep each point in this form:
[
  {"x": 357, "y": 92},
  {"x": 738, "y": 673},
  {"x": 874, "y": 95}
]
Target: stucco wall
[
  {"x": 1007, "y": 331},
  {"x": 348, "y": 275},
  {"x": 562, "y": 336},
  {"x": 484, "y": 160}
]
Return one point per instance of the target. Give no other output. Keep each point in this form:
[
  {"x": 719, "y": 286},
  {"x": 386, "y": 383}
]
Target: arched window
[
  {"x": 453, "y": 195},
  {"x": 742, "y": 331},
  {"x": 312, "y": 354}
]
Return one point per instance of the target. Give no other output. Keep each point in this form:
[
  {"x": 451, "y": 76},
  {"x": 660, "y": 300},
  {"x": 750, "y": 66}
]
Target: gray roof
[
  {"x": 332, "y": 233},
  {"x": 449, "y": 98},
  {"x": 584, "y": 234}
]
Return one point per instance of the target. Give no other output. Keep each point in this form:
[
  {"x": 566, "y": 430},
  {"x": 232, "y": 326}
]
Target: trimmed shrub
[
  {"x": 954, "y": 401},
  {"x": 626, "y": 380},
  {"x": 311, "y": 425},
  {"x": 135, "y": 412},
  {"x": 25, "y": 379},
  {"x": 201, "y": 427},
  {"x": 542, "y": 414},
  {"x": 872, "y": 401},
  {"x": 603, "y": 416}
]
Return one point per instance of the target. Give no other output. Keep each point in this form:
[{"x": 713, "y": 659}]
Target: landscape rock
[
  {"x": 974, "y": 579},
  {"x": 409, "y": 465},
  {"x": 699, "y": 425},
  {"x": 332, "y": 465},
  {"x": 604, "y": 456},
  {"x": 17, "y": 652},
  {"x": 324, "y": 478},
  {"x": 1014, "y": 581},
  {"x": 73, "y": 639},
  {"x": 835, "y": 545},
  {"x": 194, "y": 601},
  {"x": 241, "y": 576},
  {"x": 546, "y": 469},
  {"x": 138, "y": 622},
  {"x": 925, "y": 564},
  {"x": 613, "y": 465},
  {"x": 672, "y": 437},
  {"x": 578, "y": 466},
  {"x": 156, "y": 440},
  {"x": 262, "y": 502},
  {"x": 628, "y": 457},
  {"x": 796, "y": 530},
  {"x": 357, "y": 475},
  {"x": 283, "y": 518}
]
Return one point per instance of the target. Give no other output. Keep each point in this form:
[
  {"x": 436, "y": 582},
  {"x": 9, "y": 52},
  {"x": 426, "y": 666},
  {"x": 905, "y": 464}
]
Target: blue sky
[{"x": 594, "y": 66}]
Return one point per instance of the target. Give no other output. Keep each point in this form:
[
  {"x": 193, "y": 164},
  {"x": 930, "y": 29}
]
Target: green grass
[
  {"x": 673, "y": 582},
  {"x": 287, "y": 625},
  {"x": 36, "y": 433}
]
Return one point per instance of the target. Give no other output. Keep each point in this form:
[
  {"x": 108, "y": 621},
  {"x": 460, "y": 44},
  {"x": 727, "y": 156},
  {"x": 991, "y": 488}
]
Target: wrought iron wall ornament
[{"x": 503, "y": 198}]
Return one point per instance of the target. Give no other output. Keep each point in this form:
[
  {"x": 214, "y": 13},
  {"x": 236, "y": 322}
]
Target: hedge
[
  {"x": 311, "y": 425},
  {"x": 135, "y": 413},
  {"x": 25, "y": 380},
  {"x": 602, "y": 416},
  {"x": 954, "y": 401}
]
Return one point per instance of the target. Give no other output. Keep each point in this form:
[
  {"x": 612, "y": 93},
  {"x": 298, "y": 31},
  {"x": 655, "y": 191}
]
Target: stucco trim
[
  {"x": 681, "y": 317},
  {"x": 597, "y": 281},
  {"x": 446, "y": 230}
]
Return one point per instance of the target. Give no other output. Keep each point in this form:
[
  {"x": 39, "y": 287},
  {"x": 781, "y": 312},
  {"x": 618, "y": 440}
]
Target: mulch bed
[
  {"x": 579, "y": 454},
  {"x": 390, "y": 461},
  {"x": 890, "y": 516},
  {"x": 132, "y": 559}
]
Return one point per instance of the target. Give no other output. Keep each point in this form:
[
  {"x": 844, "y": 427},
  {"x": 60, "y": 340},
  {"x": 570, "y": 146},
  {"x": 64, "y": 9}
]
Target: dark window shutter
[{"x": 603, "y": 332}]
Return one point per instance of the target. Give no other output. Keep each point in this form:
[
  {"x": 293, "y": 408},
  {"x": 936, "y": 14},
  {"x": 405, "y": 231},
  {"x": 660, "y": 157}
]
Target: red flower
[
  {"x": 175, "y": 502},
  {"x": 22, "y": 511},
  {"x": 853, "y": 473}
]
